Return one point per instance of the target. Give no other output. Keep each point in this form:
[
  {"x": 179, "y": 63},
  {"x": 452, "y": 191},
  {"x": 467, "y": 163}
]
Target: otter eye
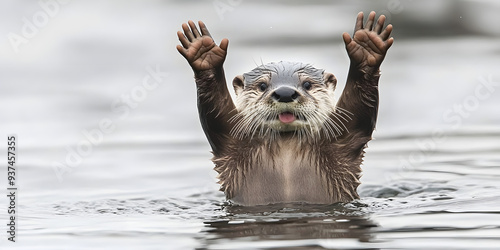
[
  {"x": 263, "y": 86},
  {"x": 307, "y": 85}
]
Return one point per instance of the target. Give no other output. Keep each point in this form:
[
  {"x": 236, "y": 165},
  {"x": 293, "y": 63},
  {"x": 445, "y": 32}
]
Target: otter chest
[{"x": 285, "y": 173}]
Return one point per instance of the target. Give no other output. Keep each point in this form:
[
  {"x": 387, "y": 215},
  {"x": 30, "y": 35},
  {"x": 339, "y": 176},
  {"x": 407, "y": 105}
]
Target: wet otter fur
[{"x": 286, "y": 140}]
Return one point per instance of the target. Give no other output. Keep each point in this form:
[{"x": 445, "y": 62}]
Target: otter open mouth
[{"x": 287, "y": 117}]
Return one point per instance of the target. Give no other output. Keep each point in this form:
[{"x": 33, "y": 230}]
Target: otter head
[{"x": 285, "y": 98}]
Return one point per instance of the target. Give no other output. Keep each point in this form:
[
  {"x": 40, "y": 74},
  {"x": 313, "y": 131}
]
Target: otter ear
[
  {"x": 238, "y": 84},
  {"x": 330, "y": 80}
]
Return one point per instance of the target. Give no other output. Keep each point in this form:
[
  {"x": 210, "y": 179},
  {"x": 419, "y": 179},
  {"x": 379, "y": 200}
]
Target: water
[{"x": 430, "y": 177}]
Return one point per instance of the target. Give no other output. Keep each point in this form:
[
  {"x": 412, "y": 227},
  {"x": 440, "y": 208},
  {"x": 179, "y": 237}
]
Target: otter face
[{"x": 285, "y": 97}]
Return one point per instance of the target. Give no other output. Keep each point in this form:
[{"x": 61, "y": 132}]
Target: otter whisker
[
  {"x": 296, "y": 134},
  {"x": 299, "y": 135},
  {"x": 332, "y": 126},
  {"x": 344, "y": 112},
  {"x": 253, "y": 127},
  {"x": 328, "y": 130},
  {"x": 266, "y": 115},
  {"x": 250, "y": 121},
  {"x": 340, "y": 121},
  {"x": 311, "y": 120},
  {"x": 247, "y": 122},
  {"x": 324, "y": 122},
  {"x": 238, "y": 129},
  {"x": 331, "y": 123}
]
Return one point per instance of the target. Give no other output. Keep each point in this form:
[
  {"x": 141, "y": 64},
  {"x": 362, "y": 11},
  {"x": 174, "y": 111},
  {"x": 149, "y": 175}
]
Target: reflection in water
[
  {"x": 288, "y": 226},
  {"x": 298, "y": 225}
]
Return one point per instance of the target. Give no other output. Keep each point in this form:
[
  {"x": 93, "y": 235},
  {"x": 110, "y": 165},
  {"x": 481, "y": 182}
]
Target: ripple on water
[
  {"x": 447, "y": 197},
  {"x": 384, "y": 216}
]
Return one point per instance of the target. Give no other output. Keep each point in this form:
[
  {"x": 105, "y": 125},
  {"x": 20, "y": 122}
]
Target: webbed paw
[
  {"x": 369, "y": 44},
  {"x": 199, "y": 48}
]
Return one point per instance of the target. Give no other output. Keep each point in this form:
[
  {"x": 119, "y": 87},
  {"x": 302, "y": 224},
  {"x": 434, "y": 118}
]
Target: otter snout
[{"x": 285, "y": 94}]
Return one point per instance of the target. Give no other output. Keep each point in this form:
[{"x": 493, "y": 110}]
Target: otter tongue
[{"x": 287, "y": 117}]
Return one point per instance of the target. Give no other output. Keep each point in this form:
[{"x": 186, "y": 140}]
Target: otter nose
[{"x": 285, "y": 94}]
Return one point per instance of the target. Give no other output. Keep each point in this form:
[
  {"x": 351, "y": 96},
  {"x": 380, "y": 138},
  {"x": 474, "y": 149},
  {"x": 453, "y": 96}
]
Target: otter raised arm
[
  {"x": 366, "y": 49},
  {"x": 285, "y": 140},
  {"x": 215, "y": 105}
]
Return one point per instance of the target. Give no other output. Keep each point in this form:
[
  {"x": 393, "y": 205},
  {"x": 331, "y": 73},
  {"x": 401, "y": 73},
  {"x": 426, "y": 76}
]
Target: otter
[{"x": 285, "y": 139}]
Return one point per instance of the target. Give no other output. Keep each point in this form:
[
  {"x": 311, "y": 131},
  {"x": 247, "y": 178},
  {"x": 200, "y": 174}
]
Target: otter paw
[
  {"x": 199, "y": 48},
  {"x": 369, "y": 44}
]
